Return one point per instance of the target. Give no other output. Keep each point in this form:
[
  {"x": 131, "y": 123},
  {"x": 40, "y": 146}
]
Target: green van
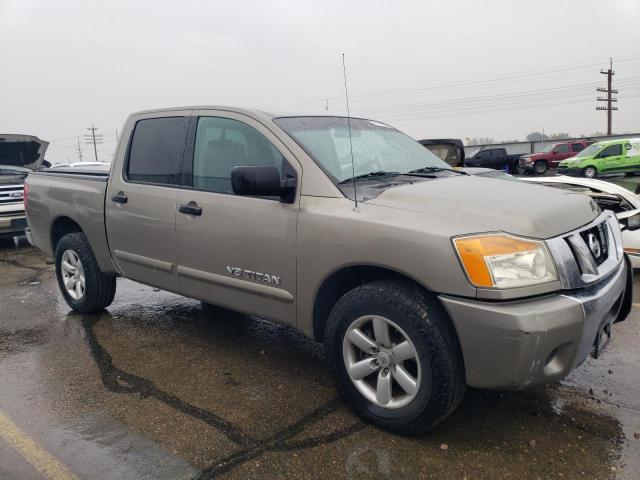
[{"x": 611, "y": 156}]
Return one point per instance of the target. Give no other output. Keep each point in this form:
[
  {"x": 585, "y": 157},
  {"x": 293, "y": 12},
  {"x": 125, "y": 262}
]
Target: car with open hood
[
  {"x": 19, "y": 156},
  {"x": 609, "y": 196},
  {"x": 420, "y": 279}
]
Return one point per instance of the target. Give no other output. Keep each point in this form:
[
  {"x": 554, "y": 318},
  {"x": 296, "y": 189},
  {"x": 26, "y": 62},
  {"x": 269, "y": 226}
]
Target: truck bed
[{"x": 60, "y": 194}]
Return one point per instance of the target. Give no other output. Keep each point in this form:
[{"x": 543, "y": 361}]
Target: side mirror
[
  {"x": 261, "y": 181},
  {"x": 629, "y": 220}
]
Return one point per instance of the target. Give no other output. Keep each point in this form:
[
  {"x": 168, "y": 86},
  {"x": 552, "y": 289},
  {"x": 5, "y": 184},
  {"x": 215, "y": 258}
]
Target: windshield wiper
[
  {"x": 376, "y": 174},
  {"x": 438, "y": 169}
]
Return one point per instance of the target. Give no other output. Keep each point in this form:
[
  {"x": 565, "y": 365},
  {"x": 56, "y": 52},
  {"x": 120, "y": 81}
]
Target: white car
[
  {"x": 89, "y": 165},
  {"x": 610, "y": 197}
]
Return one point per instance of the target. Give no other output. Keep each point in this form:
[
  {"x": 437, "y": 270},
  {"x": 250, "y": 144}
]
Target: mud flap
[{"x": 627, "y": 299}]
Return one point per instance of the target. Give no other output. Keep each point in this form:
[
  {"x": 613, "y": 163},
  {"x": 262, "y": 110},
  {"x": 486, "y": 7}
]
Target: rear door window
[
  {"x": 156, "y": 151},
  {"x": 564, "y": 148}
]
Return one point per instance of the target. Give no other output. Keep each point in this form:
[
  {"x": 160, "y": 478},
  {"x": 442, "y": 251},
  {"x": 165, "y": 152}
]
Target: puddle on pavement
[{"x": 240, "y": 397}]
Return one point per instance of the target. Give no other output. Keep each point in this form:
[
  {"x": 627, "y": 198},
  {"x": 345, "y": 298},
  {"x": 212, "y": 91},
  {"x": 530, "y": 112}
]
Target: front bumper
[
  {"x": 12, "y": 226},
  {"x": 516, "y": 344},
  {"x": 573, "y": 172}
]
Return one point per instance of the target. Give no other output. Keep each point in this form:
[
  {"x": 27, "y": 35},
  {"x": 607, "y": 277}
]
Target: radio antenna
[{"x": 353, "y": 165}]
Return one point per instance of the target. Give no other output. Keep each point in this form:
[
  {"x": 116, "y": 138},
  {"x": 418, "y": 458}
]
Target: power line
[
  {"x": 515, "y": 99},
  {"x": 481, "y": 81}
]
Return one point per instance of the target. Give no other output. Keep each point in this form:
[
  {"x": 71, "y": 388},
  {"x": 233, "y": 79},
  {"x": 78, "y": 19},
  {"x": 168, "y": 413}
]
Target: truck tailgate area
[{"x": 62, "y": 200}]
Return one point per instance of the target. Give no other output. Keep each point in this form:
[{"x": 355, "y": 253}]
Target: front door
[
  {"x": 141, "y": 202},
  {"x": 234, "y": 251},
  {"x": 560, "y": 152},
  {"x": 612, "y": 159}
]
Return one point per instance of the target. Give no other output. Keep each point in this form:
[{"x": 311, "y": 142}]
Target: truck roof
[{"x": 252, "y": 112}]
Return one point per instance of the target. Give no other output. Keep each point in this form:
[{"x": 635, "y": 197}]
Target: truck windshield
[
  {"x": 377, "y": 148},
  {"x": 589, "y": 151},
  {"x": 548, "y": 148}
]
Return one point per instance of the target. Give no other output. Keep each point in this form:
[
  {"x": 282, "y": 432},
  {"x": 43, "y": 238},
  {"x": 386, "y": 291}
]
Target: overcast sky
[{"x": 430, "y": 68}]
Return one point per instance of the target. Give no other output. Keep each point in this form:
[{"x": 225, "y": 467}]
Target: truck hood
[
  {"x": 493, "y": 204},
  {"x": 535, "y": 156},
  {"x": 24, "y": 151}
]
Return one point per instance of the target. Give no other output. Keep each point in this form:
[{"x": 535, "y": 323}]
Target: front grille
[
  {"x": 11, "y": 194},
  {"x": 596, "y": 240}
]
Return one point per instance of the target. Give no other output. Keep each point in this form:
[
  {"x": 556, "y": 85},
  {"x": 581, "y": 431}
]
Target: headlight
[{"x": 503, "y": 261}]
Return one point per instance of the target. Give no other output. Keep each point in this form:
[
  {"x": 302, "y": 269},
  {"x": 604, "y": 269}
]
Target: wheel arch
[
  {"x": 64, "y": 224},
  {"x": 346, "y": 278},
  {"x": 60, "y": 227}
]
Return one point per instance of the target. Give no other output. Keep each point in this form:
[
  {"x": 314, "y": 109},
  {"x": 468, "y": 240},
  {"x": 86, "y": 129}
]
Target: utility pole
[
  {"x": 94, "y": 139},
  {"x": 79, "y": 149},
  {"x": 609, "y": 98}
]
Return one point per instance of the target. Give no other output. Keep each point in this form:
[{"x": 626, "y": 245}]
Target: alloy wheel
[
  {"x": 73, "y": 274},
  {"x": 381, "y": 361}
]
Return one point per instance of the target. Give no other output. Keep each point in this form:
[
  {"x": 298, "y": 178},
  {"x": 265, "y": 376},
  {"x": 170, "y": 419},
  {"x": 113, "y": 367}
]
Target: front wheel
[
  {"x": 83, "y": 285},
  {"x": 590, "y": 172},
  {"x": 519, "y": 170},
  {"x": 395, "y": 357}
]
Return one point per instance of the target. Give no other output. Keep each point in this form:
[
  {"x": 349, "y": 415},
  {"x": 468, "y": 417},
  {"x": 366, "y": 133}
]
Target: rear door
[
  {"x": 141, "y": 201},
  {"x": 236, "y": 251}
]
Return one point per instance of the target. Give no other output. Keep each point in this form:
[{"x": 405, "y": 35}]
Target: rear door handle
[
  {"x": 190, "y": 208},
  {"x": 119, "y": 197}
]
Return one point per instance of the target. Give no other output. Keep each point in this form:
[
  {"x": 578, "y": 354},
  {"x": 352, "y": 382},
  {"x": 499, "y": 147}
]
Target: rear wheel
[
  {"x": 540, "y": 167},
  {"x": 83, "y": 285},
  {"x": 395, "y": 357},
  {"x": 519, "y": 169},
  {"x": 590, "y": 172}
]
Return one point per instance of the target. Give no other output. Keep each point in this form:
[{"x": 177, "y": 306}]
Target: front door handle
[
  {"x": 190, "y": 208},
  {"x": 119, "y": 197}
]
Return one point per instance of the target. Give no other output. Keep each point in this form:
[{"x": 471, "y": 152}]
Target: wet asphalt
[{"x": 160, "y": 387}]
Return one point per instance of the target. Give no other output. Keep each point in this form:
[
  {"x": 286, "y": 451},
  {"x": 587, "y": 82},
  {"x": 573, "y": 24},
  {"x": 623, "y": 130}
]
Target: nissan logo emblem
[{"x": 594, "y": 245}]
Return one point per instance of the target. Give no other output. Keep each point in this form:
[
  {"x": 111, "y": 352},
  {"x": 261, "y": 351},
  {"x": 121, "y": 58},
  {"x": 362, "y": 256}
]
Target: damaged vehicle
[
  {"x": 419, "y": 279},
  {"x": 609, "y": 196},
  {"x": 19, "y": 156}
]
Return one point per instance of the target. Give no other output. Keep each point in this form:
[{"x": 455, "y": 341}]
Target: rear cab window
[{"x": 155, "y": 152}]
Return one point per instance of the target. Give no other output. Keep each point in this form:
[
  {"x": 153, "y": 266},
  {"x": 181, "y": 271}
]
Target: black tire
[
  {"x": 100, "y": 289},
  {"x": 540, "y": 167},
  {"x": 519, "y": 169},
  {"x": 590, "y": 172},
  {"x": 7, "y": 242},
  {"x": 429, "y": 329}
]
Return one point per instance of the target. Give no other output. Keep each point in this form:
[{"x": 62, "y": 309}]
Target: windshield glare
[
  {"x": 589, "y": 151},
  {"x": 376, "y": 146}
]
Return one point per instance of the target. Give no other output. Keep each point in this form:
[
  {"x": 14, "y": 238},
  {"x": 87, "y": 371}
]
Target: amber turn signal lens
[{"x": 473, "y": 252}]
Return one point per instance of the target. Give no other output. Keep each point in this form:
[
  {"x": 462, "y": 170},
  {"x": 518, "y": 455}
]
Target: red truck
[{"x": 540, "y": 162}]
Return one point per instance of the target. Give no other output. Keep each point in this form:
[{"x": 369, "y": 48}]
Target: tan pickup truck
[{"x": 419, "y": 279}]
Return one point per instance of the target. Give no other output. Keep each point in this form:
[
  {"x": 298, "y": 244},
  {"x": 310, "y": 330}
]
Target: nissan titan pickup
[{"x": 420, "y": 279}]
